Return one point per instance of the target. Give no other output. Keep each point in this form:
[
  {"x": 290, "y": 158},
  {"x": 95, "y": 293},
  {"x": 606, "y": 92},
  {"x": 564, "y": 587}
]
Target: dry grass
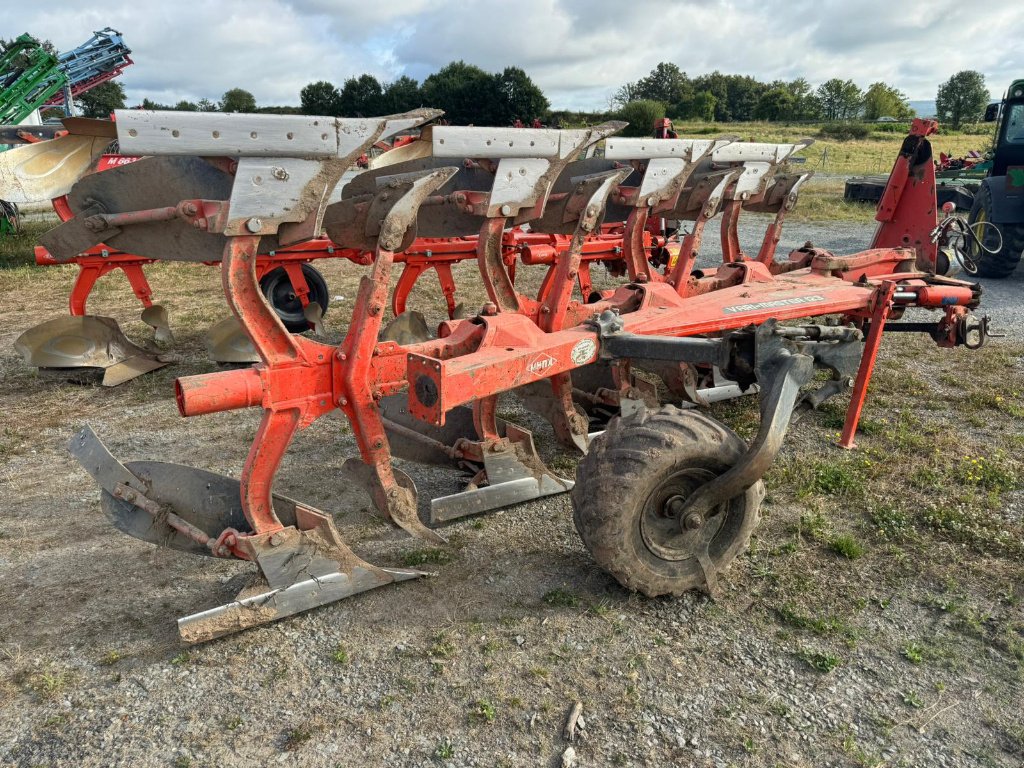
[{"x": 874, "y": 154}]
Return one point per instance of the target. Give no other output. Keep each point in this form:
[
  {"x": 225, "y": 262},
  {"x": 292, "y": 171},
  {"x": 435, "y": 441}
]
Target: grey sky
[{"x": 578, "y": 51}]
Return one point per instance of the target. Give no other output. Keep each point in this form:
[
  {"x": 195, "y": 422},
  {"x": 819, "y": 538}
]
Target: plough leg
[
  {"x": 395, "y": 500},
  {"x": 153, "y": 315},
  {"x": 867, "y": 363}
]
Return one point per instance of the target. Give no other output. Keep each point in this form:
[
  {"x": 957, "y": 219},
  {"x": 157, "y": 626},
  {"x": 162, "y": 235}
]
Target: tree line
[
  {"x": 470, "y": 95},
  {"x": 465, "y": 92},
  {"x": 741, "y": 98}
]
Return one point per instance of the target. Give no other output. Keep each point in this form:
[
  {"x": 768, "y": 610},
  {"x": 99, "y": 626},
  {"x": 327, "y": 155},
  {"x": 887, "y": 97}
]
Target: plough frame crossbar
[
  {"x": 423, "y": 256},
  {"x": 727, "y": 318}
]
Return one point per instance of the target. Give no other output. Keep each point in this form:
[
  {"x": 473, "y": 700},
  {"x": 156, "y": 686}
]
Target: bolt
[
  {"x": 276, "y": 540},
  {"x": 342, "y": 356},
  {"x": 489, "y": 309},
  {"x": 652, "y": 200},
  {"x": 189, "y": 209},
  {"x": 545, "y": 310},
  {"x": 254, "y": 225},
  {"x": 693, "y": 521},
  {"x": 374, "y": 309},
  {"x": 506, "y": 210},
  {"x": 378, "y": 444},
  {"x": 342, "y": 401}
]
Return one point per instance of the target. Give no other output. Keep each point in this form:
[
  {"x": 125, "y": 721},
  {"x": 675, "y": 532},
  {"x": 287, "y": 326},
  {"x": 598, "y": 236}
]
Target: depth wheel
[
  {"x": 280, "y": 295},
  {"x": 631, "y": 481},
  {"x": 1004, "y": 261}
]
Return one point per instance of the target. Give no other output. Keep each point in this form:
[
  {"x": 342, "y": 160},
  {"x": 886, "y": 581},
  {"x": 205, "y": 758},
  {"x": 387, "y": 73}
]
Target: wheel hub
[{"x": 663, "y": 531}]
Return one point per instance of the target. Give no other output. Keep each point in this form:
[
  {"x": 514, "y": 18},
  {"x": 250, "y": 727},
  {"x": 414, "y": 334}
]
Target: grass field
[{"x": 822, "y": 197}]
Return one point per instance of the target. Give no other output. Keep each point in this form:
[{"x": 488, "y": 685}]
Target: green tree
[
  {"x": 186, "y": 106},
  {"x": 641, "y": 116},
  {"x": 626, "y": 93},
  {"x": 402, "y": 95},
  {"x": 881, "y": 100},
  {"x": 238, "y": 100},
  {"x": 776, "y": 104},
  {"x": 717, "y": 85},
  {"x": 361, "y": 96},
  {"x": 205, "y": 105},
  {"x": 465, "y": 92},
  {"x": 805, "y": 103},
  {"x": 736, "y": 96},
  {"x": 840, "y": 99},
  {"x": 147, "y": 104},
  {"x": 962, "y": 98},
  {"x": 522, "y": 99},
  {"x": 665, "y": 83},
  {"x": 320, "y": 98},
  {"x": 100, "y": 101},
  {"x": 703, "y": 106}
]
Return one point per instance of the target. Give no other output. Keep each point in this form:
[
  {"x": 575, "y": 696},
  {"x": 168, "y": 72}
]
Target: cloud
[{"x": 578, "y": 51}]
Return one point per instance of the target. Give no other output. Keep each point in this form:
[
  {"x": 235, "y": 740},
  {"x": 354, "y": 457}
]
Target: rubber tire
[
  {"x": 622, "y": 471},
  {"x": 290, "y": 312},
  {"x": 1003, "y": 262}
]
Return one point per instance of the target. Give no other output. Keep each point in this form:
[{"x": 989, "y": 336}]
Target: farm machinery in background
[
  {"x": 997, "y": 215},
  {"x": 990, "y": 187},
  {"x": 32, "y": 78},
  {"x": 666, "y": 497}
]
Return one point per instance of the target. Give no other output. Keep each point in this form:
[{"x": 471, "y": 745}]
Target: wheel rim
[
  {"x": 981, "y": 218},
  {"x": 282, "y": 298},
  {"x": 661, "y": 530}
]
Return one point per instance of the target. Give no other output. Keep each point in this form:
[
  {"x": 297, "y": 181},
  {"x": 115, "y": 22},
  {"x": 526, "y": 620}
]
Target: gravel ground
[{"x": 480, "y": 665}]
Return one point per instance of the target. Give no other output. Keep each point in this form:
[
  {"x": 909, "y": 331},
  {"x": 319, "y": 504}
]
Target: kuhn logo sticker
[
  {"x": 776, "y": 304},
  {"x": 583, "y": 352},
  {"x": 540, "y": 364}
]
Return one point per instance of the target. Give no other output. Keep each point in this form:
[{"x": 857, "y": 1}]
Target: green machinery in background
[
  {"x": 1000, "y": 196},
  {"x": 29, "y": 77}
]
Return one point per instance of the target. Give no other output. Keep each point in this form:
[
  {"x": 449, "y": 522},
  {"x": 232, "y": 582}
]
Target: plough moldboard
[{"x": 666, "y": 497}]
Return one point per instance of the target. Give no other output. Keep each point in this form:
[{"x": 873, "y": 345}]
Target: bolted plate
[
  {"x": 157, "y": 182},
  {"x": 207, "y": 500}
]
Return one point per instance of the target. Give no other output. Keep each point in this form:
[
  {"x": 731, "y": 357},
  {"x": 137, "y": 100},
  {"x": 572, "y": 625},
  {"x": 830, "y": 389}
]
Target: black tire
[
  {"x": 625, "y": 479},
  {"x": 277, "y": 289},
  {"x": 1004, "y": 261}
]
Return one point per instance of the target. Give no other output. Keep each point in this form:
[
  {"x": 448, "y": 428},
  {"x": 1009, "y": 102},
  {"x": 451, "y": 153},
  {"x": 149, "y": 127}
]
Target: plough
[
  {"x": 294, "y": 288},
  {"x": 665, "y": 497}
]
